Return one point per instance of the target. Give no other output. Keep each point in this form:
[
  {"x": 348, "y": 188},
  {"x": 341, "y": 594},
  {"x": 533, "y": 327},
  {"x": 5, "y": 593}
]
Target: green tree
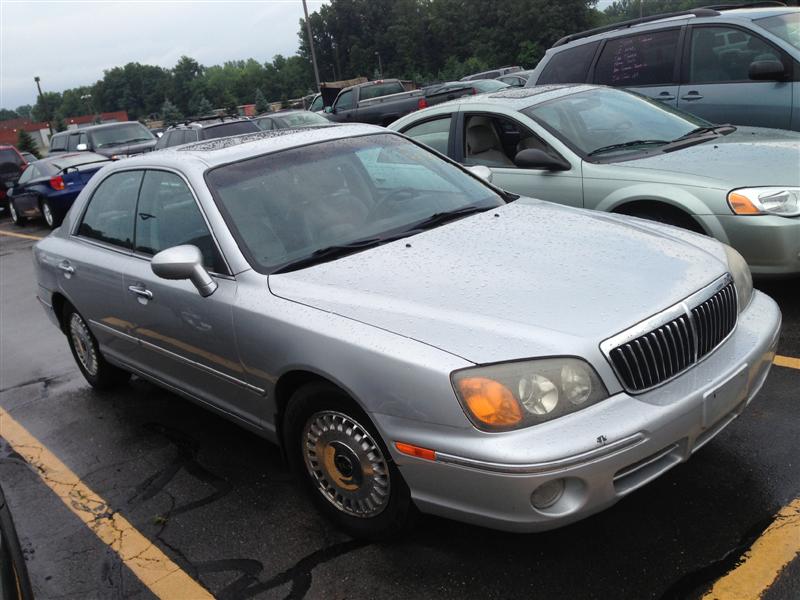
[
  {"x": 183, "y": 74},
  {"x": 262, "y": 105},
  {"x": 24, "y": 111},
  {"x": 170, "y": 113},
  {"x": 25, "y": 143},
  {"x": 6, "y": 114},
  {"x": 58, "y": 124},
  {"x": 46, "y": 106},
  {"x": 202, "y": 107}
]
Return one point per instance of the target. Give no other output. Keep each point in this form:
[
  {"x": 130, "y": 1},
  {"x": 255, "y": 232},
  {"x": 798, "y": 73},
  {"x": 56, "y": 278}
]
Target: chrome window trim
[{"x": 682, "y": 308}]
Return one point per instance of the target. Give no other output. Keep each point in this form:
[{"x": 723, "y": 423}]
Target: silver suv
[{"x": 739, "y": 66}]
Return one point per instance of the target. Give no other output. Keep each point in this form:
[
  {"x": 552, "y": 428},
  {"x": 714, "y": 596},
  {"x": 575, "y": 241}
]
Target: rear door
[
  {"x": 717, "y": 86},
  {"x": 646, "y": 63}
]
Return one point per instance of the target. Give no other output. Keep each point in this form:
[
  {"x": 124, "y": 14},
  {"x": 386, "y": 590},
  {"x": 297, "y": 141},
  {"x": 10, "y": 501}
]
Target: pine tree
[
  {"x": 170, "y": 113},
  {"x": 25, "y": 143},
  {"x": 58, "y": 124},
  {"x": 204, "y": 107},
  {"x": 262, "y": 105}
]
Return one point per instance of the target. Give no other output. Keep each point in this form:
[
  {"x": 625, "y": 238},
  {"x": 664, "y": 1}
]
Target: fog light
[{"x": 547, "y": 494}]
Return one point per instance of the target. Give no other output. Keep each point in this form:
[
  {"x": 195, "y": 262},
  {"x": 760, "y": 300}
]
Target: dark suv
[
  {"x": 726, "y": 65},
  {"x": 114, "y": 140},
  {"x": 205, "y": 128}
]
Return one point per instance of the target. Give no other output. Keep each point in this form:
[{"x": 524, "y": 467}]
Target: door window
[
  {"x": 168, "y": 216},
  {"x": 73, "y": 142},
  {"x": 724, "y": 54},
  {"x": 109, "y": 216},
  {"x": 644, "y": 59},
  {"x": 434, "y": 134},
  {"x": 345, "y": 100},
  {"x": 28, "y": 174},
  {"x": 494, "y": 141},
  {"x": 58, "y": 142},
  {"x": 569, "y": 66}
]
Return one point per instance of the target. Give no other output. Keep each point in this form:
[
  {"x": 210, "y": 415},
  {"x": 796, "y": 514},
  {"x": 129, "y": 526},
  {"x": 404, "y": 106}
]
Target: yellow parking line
[
  {"x": 20, "y": 235},
  {"x": 787, "y": 361},
  {"x": 762, "y": 563},
  {"x": 153, "y": 568}
]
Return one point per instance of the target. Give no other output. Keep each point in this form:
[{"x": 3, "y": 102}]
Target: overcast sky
[{"x": 69, "y": 43}]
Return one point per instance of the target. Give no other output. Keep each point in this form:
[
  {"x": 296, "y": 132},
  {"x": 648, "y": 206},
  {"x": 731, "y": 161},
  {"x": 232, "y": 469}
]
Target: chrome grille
[{"x": 667, "y": 344}]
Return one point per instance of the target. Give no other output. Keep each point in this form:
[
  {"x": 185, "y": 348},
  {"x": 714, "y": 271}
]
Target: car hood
[
  {"x": 528, "y": 279},
  {"x": 750, "y": 156},
  {"x": 127, "y": 149}
]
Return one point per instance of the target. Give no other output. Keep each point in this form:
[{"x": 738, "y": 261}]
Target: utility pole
[
  {"x": 380, "y": 65},
  {"x": 641, "y": 8},
  {"x": 41, "y": 97},
  {"x": 311, "y": 45}
]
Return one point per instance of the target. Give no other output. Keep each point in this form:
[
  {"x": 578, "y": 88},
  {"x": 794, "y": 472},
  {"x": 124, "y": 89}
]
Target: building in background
[{"x": 40, "y": 131}]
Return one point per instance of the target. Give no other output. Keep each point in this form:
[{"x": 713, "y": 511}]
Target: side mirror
[
  {"x": 533, "y": 158},
  {"x": 328, "y": 109},
  {"x": 82, "y": 147},
  {"x": 767, "y": 70},
  {"x": 184, "y": 262},
  {"x": 481, "y": 171}
]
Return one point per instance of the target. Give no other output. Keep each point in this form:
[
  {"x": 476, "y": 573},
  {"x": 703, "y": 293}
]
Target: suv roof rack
[
  {"x": 747, "y": 5},
  {"x": 695, "y": 12},
  {"x": 188, "y": 120}
]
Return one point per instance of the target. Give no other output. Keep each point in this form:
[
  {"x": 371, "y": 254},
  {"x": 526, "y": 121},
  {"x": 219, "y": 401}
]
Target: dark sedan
[{"x": 49, "y": 186}]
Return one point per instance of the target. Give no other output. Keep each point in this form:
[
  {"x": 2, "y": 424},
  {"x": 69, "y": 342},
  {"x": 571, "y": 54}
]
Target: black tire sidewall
[
  {"x": 314, "y": 397},
  {"x": 53, "y": 212}
]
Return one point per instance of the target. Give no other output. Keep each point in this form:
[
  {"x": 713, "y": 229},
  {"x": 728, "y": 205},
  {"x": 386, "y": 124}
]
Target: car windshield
[
  {"x": 284, "y": 207},
  {"x": 316, "y": 104},
  {"x": 600, "y": 119},
  {"x": 124, "y": 133},
  {"x": 786, "y": 27},
  {"x": 302, "y": 119},
  {"x": 488, "y": 85},
  {"x": 231, "y": 128}
]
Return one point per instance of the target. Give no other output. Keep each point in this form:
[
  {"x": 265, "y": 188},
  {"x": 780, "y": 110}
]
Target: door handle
[
  {"x": 692, "y": 96},
  {"x": 665, "y": 96},
  {"x": 140, "y": 291},
  {"x": 67, "y": 268}
]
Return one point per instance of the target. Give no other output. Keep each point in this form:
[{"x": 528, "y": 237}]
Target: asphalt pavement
[{"x": 219, "y": 502}]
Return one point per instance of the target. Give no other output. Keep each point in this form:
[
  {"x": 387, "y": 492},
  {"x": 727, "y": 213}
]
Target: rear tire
[
  {"x": 16, "y": 217},
  {"x": 335, "y": 449},
  {"x": 50, "y": 215},
  {"x": 96, "y": 370}
]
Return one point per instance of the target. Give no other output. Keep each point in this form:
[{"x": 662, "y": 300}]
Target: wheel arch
[{"x": 635, "y": 207}]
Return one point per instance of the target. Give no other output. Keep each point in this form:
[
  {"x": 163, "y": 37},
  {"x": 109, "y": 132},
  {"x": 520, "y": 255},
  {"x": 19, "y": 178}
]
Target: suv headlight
[
  {"x": 782, "y": 201},
  {"x": 742, "y": 278},
  {"x": 519, "y": 394}
]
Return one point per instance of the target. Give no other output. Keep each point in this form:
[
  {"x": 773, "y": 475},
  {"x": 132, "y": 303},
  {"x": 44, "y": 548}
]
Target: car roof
[
  {"x": 655, "y": 23},
  {"x": 206, "y": 122},
  {"x": 219, "y": 151},
  {"x": 517, "y": 98},
  {"x": 96, "y": 127}
]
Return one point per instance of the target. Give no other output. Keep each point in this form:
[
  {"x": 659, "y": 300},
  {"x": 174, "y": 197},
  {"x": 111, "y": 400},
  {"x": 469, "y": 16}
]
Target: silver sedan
[{"x": 412, "y": 336}]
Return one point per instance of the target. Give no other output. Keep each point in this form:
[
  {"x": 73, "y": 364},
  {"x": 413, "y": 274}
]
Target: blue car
[{"x": 49, "y": 186}]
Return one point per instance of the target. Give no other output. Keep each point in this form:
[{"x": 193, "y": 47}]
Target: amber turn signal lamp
[
  {"x": 741, "y": 205},
  {"x": 415, "y": 451},
  {"x": 490, "y": 401}
]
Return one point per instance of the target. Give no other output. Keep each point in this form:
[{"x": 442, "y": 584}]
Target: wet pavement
[{"x": 220, "y": 503}]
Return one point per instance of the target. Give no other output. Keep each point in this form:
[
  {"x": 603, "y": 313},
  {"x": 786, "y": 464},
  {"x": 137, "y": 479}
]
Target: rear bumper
[{"x": 601, "y": 453}]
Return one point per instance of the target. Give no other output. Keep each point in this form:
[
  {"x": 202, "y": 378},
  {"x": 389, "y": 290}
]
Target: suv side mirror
[
  {"x": 328, "y": 109},
  {"x": 184, "y": 262},
  {"x": 81, "y": 147},
  {"x": 767, "y": 70},
  {"x": 481, "y": 171},
  {"x": 533, "y": 158}
]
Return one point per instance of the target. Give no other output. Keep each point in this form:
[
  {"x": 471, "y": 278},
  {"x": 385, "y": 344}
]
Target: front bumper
[
  {"x": 602, "y": 453},
  {"x": 770, "y": 244}
]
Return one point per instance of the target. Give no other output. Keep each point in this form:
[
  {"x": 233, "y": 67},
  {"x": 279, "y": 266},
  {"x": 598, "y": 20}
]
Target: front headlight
[
  {"x": 520, "y": 394},
  {"x": 742, "y": 278},
  {"x": 782, "y": 201}
]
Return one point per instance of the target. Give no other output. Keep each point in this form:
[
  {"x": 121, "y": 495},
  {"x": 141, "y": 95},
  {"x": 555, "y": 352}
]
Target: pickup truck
[{"x": 375, "y": 102}]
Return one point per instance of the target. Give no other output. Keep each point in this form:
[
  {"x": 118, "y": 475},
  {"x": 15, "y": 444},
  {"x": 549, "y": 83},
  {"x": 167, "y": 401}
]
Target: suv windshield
[
  {"x": 124, "y": 133},
  {"x": 230, "y": 128},
  {"x": 285, "y": 206},
  {"x": 786, "y": 27},
  {"x": 601, "y": 118}
]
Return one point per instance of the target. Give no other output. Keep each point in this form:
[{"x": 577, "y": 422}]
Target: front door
[{"x": 186, "y": 340}]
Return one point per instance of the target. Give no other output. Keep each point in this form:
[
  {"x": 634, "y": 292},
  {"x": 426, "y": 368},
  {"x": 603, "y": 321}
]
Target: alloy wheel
[
  {"x": 48, "y": 214},
  {"x": 346, "y": 464},
  {"x": 83, "y": 343}
]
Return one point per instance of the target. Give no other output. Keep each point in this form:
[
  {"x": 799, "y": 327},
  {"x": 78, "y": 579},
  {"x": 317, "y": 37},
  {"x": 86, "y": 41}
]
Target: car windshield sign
[
  {"x": 339, "y": 197},
  {"x": 608, "y": 121}
]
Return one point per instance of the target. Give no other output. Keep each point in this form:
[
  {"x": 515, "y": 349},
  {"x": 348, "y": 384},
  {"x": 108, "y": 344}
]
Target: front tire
[
  {"x": 96, "y": 370},
  {"x": 16, "y": 217},
  {"x": 335, "y": 449}
]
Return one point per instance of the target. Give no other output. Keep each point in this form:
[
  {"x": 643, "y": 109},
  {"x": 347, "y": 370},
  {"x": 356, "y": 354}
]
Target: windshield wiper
[
  {"x": 718, "y": 129},
  {"x": 337, "y": 251},
  {"x": 630, "y": 144},
  {"x": 440, "y": 218}
]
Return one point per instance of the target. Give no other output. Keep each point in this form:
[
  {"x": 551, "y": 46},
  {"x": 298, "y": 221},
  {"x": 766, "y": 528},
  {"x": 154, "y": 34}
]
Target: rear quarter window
[
  {"x": 233, "y": 128},
  {"x": 58, "y": 142},
  {"x": 644, "y": 59},
  {"x": 570, "y": 65}
]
